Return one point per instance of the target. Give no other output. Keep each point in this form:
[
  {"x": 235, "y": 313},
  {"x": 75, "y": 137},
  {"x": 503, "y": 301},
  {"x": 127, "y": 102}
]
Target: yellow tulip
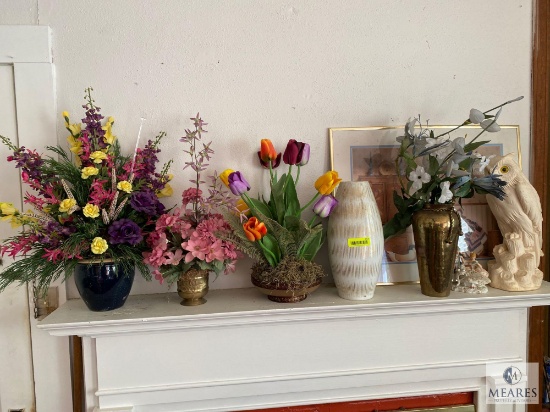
[
  {"x": 224, "y": 176},
  {"x": 91, "y": 211},
  {"x": 89, "y": 171},
  {"x": 99, "y": 246},
  {"x": 66, "y": 205},
  {"x": 327, "y": 182},
  {"x": 242, "y": 207}
]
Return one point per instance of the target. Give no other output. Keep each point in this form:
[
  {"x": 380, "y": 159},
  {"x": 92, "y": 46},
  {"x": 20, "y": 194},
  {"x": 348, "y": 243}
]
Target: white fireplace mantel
[{"x": 240, "y": 351}]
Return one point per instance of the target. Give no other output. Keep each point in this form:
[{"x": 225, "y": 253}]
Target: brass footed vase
[
  {"x": 436, "y": 230},
  {"x": 193, "y": 287}
]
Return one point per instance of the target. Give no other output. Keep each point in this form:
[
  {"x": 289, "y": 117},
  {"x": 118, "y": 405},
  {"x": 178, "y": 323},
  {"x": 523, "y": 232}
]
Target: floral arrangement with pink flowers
[
  {"x": 98, "y": 206},
  {"x": 193, "y": 236}
]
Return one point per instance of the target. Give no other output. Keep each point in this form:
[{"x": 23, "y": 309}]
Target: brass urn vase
[
  {"x": 193, "y": 287},
  {"x": 436, "y": 230}
]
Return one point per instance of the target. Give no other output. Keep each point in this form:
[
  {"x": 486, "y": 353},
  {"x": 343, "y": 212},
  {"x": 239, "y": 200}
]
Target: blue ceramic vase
[{"x": 103, "y": 285}]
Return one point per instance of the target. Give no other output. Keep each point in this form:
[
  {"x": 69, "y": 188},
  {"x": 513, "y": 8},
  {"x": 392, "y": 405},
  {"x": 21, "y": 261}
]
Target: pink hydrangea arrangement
[{"x": 193, "y": 236}]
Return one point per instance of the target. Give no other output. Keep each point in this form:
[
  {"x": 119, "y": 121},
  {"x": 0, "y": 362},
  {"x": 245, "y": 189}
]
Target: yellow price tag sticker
[{"x": 358, "y": 241}]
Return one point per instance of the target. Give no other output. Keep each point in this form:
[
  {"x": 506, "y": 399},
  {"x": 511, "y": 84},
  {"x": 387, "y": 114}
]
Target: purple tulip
[
  {"x": 274, "y": 163},
  {"x": 237, "y": 183},
  {"x": 304, "y": 156},
  {"x": 296, "y": 153},
  {"x": 324, "y": 206}
]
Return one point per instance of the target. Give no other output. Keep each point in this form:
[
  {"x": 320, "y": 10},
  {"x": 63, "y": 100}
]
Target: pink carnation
[{"x": 190, "y": 195}]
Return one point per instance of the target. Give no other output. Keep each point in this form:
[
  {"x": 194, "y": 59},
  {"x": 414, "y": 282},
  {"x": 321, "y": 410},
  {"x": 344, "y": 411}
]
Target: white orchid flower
[
  {"x": 476, "y": 116},
  {"x": 432, "y": 142},
  {"x": 458, "y": 146},
  {"x": 483, "y": 161},
  {"x": 446, "y": 194},
  {"x": 491, "y": 125},
  {"x": 409, "y": 127},
  {"x": 451, "y": 167},
  {"x": 418, "y": 177}
]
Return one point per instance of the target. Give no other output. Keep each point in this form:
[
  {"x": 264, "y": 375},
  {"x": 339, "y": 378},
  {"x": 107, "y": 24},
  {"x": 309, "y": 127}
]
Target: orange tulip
[
  {"x": 254, "y": 229},
  {"x": 267, "y": 151}
]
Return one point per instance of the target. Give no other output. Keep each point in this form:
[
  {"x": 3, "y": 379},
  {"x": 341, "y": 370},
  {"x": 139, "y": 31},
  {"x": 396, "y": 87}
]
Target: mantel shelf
[{"x": 233, "y": 307}]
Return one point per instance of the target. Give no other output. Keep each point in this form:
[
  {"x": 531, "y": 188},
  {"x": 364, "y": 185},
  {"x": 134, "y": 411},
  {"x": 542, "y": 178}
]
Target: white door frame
[{"x": 28, "y": 49}]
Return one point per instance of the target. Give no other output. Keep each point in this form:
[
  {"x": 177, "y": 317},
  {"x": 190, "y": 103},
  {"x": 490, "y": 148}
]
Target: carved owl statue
[{"x": 519, "y": 218}]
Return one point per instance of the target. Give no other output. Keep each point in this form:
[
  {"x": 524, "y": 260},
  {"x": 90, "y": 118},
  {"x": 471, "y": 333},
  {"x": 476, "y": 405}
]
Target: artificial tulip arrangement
[
  {"x": 193, "y": 236},
  {"x": 98, "y": 207},
  {"x": 274, "y": 233}
]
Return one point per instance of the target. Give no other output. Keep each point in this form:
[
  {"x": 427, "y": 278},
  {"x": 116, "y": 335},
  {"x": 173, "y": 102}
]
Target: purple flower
[
  {"x": 296, "y": 153},
  {"x": 324, "y": 206},
  {"x": 146, "y": 202},
  {"x": 237, "y": 183},
  {"x": 125, "y": 231}
]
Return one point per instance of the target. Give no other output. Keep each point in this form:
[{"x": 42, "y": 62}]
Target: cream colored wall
[{"x": 283, "y": 69}]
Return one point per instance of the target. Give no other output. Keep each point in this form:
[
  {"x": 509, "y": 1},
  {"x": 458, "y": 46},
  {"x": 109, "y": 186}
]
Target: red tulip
[{"x": 296, "y": 153}]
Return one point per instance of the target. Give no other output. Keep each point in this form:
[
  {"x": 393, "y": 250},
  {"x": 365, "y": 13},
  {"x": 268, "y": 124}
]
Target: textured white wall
[{"x": 284, "y": 69}]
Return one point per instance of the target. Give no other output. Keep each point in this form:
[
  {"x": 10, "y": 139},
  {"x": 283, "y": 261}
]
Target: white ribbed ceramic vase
[{"x": 355, "y": 241}]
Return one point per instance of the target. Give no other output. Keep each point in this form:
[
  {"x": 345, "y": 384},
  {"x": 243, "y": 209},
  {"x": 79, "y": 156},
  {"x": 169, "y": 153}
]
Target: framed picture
[{"x": 369, "y": 153}]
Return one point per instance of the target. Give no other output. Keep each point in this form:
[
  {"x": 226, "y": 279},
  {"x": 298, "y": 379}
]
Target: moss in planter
[{"x": 291, "y": 273}]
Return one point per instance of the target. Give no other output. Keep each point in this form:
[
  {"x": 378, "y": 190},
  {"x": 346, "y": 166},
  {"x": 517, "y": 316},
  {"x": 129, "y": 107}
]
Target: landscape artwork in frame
[{"x": 369, "y": 153}]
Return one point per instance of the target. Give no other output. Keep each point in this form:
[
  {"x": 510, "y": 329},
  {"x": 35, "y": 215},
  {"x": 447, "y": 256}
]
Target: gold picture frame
[{"x": 368, "y": 154}]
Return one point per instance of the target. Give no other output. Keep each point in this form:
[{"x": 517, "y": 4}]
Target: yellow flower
[
  {"x": 166, "y": 192},
  {"x": 75, "y": 145},
  {"x": 99, "y": 246},
  {"x": 91, "y": 210},
  {"x": 89, "y": 171},
  {"x": 109, "y": 138},
  {"x": 66, "y": 205},
  {"x": 65, "y": 114},
  {"x": 224, "y": 176},
  {"x": 242, "y": 207},
  {"x": 7, "y": 209},
  {"x": 74, "y": 128},
  {"x": 15, "y": 222},
  {"x": 167, "y": 177},
  {"x": 98, "y": 156},
  {"x": 327, "y": 182},
  {"x": 124, "y": 186}
]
